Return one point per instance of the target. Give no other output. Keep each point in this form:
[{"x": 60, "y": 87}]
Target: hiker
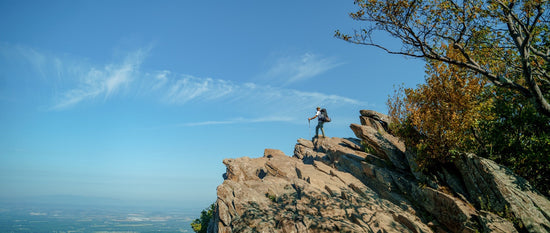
[{"x": 321, "y": 119}]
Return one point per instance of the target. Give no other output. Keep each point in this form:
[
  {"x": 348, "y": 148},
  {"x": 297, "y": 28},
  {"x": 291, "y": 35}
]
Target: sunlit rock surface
[{"x": 333, "y": 185}]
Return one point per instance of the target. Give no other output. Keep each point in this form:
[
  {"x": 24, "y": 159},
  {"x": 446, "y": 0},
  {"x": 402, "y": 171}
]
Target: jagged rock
[
  {"x": 308, "y": 198},
  {"x": 384, "y": 144},
  {"x": 495, "y": 187},
  {"x": 374, "y": 119},
  {"x": 375, "y": 115},
  {"x": 333, "y": 185}
]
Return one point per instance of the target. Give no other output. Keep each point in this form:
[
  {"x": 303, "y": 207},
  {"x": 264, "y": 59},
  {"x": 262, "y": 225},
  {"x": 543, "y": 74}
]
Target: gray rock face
[
  {"x": 333, "y": 185},
  {"x": 494, "y": 187}
]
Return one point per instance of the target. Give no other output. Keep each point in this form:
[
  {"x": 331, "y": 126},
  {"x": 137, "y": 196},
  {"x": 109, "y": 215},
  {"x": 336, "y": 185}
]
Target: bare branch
[
  {"x": 545, "y": 56},
  {"x": 490, "y": 41}
]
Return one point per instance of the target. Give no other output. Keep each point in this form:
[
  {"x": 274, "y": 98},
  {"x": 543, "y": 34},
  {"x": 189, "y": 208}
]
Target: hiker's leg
[
  {"x": 317, "y": 129},
  {"x": 322, "y": 128}
]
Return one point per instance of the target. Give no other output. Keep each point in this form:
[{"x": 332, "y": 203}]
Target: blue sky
[{"x": 142, "y": 100}]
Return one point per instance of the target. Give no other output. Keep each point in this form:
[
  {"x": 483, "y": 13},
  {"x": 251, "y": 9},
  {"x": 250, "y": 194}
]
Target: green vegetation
[
  {"x": 368, "y": 148},
  {"x": 437, "y": 118},
  {"x": 451, "y": 114},
  {"x": 503, "y": 41},
  {"x": 200, "y": 225},
  {"x": 271, "y": 197},
  {"x": 519, "y": 138},
  {"x": 487, "y": 79}
]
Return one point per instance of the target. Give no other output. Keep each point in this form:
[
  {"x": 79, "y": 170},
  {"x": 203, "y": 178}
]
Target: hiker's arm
[{"x": 313, "y": 117}]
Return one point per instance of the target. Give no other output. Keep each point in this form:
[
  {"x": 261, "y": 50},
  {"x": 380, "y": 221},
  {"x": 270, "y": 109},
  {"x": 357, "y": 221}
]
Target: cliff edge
[{"x": 333, "y": 185}]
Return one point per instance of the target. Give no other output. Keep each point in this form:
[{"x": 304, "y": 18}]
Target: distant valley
[{"x": 48, "y": 215}]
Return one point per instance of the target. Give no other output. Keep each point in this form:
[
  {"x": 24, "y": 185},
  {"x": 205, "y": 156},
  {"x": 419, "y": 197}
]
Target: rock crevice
[{"x": 334, "y": 185}]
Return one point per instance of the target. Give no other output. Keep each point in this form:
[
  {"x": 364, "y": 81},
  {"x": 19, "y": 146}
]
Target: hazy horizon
[
  {"x": 105, "y": 201},
  {"x": 142, "y": 101}
]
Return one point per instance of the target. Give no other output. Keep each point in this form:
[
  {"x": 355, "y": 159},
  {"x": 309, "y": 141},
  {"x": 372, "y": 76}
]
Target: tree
[
  {"x": 518, "y": 138},
  {"x": 438, "y": 119},
  {"x": 505, "y": 41},
  {"x": 200, "y": 225}
]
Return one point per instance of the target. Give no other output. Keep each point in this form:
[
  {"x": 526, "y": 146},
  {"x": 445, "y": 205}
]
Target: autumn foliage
[
  {"x": 456, "y": 111},
  {"x": 504, "y": 41},
  {"x": 487, "y": 87},
  {"x": 438, "y": 118}
]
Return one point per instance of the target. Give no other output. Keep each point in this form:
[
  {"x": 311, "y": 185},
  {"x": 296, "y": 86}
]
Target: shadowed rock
[{"x": 334, "y": 185}]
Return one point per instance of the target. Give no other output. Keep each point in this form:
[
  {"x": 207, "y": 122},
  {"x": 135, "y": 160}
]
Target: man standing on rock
[{"x": 320, "y": 123}]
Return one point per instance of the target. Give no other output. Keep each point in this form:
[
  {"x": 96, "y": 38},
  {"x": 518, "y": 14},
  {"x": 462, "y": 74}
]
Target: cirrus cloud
[
  {"x": 104, "y": 81},
  {"x": 75, "y": 83},
  {"x": 292, "y": 69}
]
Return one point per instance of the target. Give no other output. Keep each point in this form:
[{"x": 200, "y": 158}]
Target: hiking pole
[{"x": 309, "y": 126}]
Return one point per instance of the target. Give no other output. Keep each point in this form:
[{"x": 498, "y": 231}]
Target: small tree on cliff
[
  {"x": 457, "y": 111},
  {"x": 200, "y": 225},
  {"x": 439, "y": 118},
  {"x": 518, "y": 138},
  {"x": 506, "y": 41}
]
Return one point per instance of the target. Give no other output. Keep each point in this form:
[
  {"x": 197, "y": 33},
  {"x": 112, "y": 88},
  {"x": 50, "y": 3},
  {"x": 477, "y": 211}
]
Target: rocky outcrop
[{"x": 333, "y": 185}]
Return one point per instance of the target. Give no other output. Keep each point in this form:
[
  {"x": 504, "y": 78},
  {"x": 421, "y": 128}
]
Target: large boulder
[
  {"x": 277, "y": 193},
  {"x": 384, "y": 144},
  {"x": 372, "y": 184},
  {"x": 496, "y": 188}
]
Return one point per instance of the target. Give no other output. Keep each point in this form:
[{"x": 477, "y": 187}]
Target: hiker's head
[{"x": 318, "y": 108}]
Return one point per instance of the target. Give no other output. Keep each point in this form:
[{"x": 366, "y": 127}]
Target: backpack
[{"x": 324, "y": 116}]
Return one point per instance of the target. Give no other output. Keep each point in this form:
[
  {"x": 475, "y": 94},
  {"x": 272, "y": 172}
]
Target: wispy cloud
[
  {"x": 30, "y": 58},
  {"x": 293, "y": 69},
  {"x": 77, "y": 82},
  {"x": 161, "y": 78},
  {"x": 102, "y": 82},
  {"x": 256, "y": 101},
  {"x": 239, "y": 121},
  {"x": 184, "y": 88}
]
